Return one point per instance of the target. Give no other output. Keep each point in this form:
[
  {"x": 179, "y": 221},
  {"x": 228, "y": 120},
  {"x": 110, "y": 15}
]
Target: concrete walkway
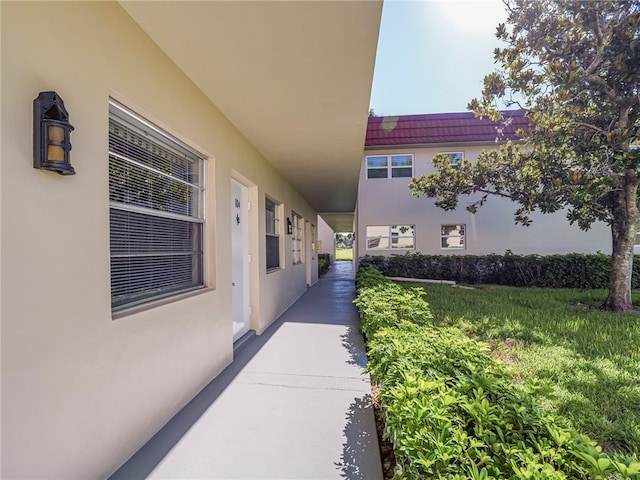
[{"x": 293, "y": 404}]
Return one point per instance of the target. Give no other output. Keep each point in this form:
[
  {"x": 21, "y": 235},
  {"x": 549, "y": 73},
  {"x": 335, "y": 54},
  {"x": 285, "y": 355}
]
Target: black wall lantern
[
  {"x": 289, "y": 227},
  {"x": 51, "y": 134}
]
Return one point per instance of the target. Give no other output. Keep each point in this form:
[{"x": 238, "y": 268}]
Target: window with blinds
[
  {"x": 272, "y": 227},
  {"x": 156, "y": 200}
]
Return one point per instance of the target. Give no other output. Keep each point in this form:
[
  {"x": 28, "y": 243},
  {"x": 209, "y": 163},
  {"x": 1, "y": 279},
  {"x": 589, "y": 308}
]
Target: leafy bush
[
  {"x": 324, "y": 262},
  {"x": 368, "y": 277},
  {"x": 387, "y": 305},
  {"x": 552, "y": 271},
  {"x": 451, "y": 411}
]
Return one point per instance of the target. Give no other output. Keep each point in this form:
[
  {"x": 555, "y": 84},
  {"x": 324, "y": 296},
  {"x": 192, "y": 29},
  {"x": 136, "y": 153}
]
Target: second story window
[
  {"x": 390, "y": 166},
  {"x": 455, "y": 159}
]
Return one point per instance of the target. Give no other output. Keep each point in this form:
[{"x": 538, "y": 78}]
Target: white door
[{"x": 240, "y": 258}]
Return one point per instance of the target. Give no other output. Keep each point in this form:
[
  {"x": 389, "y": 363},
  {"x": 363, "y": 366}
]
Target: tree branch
[{"x": 494, "y": 192}]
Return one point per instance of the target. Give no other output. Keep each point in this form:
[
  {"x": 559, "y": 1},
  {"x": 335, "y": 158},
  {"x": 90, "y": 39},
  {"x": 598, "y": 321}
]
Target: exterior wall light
[
  {"x": 51, "y": 134},
  {"x": 289, "y": 227}
]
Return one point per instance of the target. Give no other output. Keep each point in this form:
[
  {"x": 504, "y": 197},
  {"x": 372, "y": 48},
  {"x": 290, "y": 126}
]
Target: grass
[
  {"x": 344, "y": 254},
  {"x": 590, "y": 358}
]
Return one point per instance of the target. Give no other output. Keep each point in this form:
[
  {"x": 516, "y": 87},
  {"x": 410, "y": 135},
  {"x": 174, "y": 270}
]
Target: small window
[
  {"x": 390, "y": 166},
  {"x": 272, "y": 227},
  {"x": 377, "y": 167},
  {"x": 452, "y": 237},
  {"x": 297, "y": 238},
  {"x": 401, "y": 166},
  {"x": 455, "y": 159},
  {"x": 156, "y": 204},
  {"x": 391, "y": 237}
]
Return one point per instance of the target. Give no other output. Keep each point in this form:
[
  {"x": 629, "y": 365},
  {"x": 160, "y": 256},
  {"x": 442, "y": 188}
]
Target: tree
[
  {"x": 344, "y": 240},
  {"x": 574, "y": 66}
]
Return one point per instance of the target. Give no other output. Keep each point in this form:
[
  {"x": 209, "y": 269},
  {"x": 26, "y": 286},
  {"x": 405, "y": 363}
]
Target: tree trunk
[{"x": 623, "y": 232}]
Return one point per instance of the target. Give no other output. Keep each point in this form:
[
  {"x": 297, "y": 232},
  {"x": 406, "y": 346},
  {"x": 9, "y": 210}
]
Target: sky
[{"x": 433, "y": 54}]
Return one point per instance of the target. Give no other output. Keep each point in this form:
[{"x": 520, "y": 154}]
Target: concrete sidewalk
[{"x": 293, "y": 404}]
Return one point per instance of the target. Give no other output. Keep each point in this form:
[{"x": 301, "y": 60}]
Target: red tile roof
[{"x": 441, "y": 128}]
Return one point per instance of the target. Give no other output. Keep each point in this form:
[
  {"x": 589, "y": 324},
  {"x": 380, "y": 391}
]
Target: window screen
[{"x": 156, "y": 199}]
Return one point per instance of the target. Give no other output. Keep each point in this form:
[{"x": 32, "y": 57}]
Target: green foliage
[
  {"x": 551, "y": 271},
  {"x": 324, "y": 262},
  {"x": 343, "y": 240},
  {"x": 589, "y": 357},
  {"x": 574, "y": 66},
  {"x": 384, "y": 304},
  {"x": 368, "y": 277},
  {"x": 453, "y": 412}
]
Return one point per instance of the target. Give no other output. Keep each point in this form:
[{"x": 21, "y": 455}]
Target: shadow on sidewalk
[{"x": 360, "y": 440}]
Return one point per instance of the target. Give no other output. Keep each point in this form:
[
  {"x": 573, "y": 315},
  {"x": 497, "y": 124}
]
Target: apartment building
[{"x": 390, "y": 220}]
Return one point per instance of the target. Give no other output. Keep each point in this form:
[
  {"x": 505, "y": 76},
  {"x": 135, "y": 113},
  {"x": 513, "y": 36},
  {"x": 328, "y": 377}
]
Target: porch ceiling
[{"x": 293, "y": 77}]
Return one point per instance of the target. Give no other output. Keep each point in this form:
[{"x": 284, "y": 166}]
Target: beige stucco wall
[
  {"x": 327, "y": 236},
  {"x": 490, "y": 230},
  {"x": 81, "y": 391}
]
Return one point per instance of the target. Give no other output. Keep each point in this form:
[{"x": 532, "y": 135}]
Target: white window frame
[
  {"x": 389, "y": 167},
  {"x": 455, "y": 159},
  {"x": 157, "y": 199},
  {"x": 462, "y": 235},
  {"x": 273, "y": 233},
  {"x": 297, "y": 238},
  {"x": 390, "y": 236}
]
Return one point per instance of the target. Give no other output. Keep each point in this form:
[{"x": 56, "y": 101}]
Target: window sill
[
  {"x": 391, "y": 178},
  {"x": 158, "y": 303},
  {"x": 272, "y": 270}
]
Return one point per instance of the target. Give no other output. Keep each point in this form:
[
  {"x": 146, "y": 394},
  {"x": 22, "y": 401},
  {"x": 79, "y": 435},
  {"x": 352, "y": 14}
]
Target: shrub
[
  {"x": 324, "y": 262},
  {"x": 386, "y": 305},
  {"x": 552, "y": 271},
  {"x": 369, "y": 277},
  {"x": 452, "y": 412}
]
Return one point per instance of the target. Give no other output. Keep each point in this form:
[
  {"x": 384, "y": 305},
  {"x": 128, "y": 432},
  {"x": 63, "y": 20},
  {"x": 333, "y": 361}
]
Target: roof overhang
[{"x": 294, "y": 77}]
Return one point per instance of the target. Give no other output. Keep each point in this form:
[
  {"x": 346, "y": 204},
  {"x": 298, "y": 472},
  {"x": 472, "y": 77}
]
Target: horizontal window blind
[
  {"x": 156, "y": 194},
  {"x": 273, "y": 251},
  {"x": 390, "y": 166},
  {"x": 272, "y": 227}
]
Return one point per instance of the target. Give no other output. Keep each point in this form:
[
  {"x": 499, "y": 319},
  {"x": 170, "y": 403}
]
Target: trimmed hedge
[
  {"x": 452, "y": 412},
  {"x": 551, "y": 271}
]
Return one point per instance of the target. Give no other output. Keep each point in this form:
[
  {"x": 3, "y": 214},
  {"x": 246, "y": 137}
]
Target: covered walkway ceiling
[{"x": 294, "y": 77}]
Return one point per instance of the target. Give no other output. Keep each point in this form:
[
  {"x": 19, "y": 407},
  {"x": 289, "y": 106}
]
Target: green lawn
[
  {"x": 590, "y": 358},
  {"x": 344, "y": 254}
]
